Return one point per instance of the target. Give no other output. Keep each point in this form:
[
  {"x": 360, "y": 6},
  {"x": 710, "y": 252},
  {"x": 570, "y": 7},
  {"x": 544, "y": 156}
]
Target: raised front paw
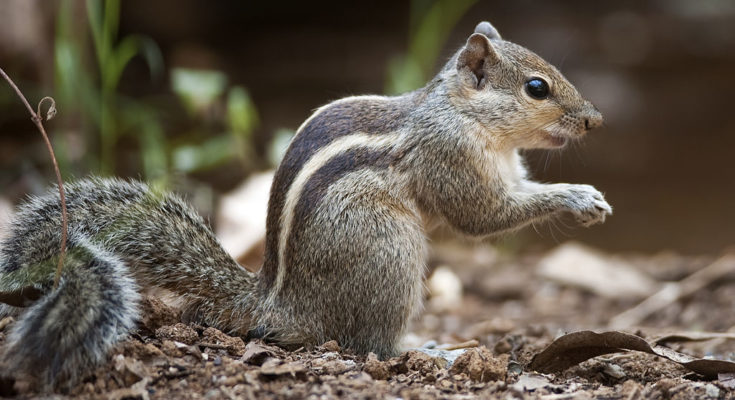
[{"x": 587, "y": 204}]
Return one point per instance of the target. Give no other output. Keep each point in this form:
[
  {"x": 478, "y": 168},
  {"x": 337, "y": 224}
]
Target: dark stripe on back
[
  {"x": 318, "y": 184},
  {"x": 368, "y": 116}
]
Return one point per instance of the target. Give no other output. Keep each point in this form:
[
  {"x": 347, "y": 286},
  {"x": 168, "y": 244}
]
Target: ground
[{"x": 491, "y": 311}]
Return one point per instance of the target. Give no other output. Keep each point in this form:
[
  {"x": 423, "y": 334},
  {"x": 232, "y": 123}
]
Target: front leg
[
  {"x": 493, "y": 197},
  {"x": 481, "y": 210},
  {"x": 584, "y": 202}
]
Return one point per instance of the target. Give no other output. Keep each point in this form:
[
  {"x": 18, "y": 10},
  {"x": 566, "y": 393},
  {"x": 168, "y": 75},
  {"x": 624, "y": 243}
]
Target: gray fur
[
  {"x": 345, "y": 241},
  {"x": 455, "y": 160},
  {"x": 125, "y": 235},
  {"x": 73, "y": 328}
]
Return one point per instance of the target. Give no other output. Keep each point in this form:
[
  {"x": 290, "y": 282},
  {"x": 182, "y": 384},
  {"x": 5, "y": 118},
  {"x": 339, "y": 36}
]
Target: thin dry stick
[
  {"x": 38, "y": 120},
  {"x": 671, "y": 292}
]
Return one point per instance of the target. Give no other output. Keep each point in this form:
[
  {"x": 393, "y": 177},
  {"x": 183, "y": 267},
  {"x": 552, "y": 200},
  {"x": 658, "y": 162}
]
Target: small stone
[
  {"x": 231, "y": 381},
  {"x": 375, "y": 368},
  {"x": 503, "y": 346},
  {"x": 338, "y": 367},
  {"x": 152, "y": 351},
  {"x": 330, "y": 355},
  {"x": 529, "y": 382},
  {"x": 179, "y": 332},
  {"x": 613, "y": 370},
  {"x": 665, "y": 385},
  {"x": 156, "y": 314},
  {"x": 144, "y": 351},
  {"x": 234, "y": 345},
  {"x": 331, "y": 345},
  {"x": 170, "y": 349},
  {"x": 712, "y": 391},
  {"x": 480, "y": 365},
  {"x": 445, "y": 384},
  {"x": 419, "y": 361}
]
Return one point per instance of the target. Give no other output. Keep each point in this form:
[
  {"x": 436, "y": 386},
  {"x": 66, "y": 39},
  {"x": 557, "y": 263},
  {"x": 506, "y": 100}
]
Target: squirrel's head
[{"x": 521, "y": 100}]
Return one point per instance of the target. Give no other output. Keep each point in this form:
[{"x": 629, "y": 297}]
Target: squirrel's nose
[{"x": 593, "y": 119}]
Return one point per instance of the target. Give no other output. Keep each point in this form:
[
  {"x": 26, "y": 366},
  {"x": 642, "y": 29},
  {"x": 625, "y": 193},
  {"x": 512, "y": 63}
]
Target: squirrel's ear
[
  {"x": 488, "y": 30},
  {"x": 473, "y": 59}
]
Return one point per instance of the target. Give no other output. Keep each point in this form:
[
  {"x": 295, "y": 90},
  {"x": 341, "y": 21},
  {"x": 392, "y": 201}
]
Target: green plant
[
  {"x": 87, "y": 85},
  {"x": 90, "y": 96},
  {"x": 201, "y": 91},
  {"x": 430, "y": 25},
  {"x": 112, "y": 58}
]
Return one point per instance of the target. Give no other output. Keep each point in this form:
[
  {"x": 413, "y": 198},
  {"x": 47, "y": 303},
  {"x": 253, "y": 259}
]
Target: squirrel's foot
[{"x": 587, "y": 205}]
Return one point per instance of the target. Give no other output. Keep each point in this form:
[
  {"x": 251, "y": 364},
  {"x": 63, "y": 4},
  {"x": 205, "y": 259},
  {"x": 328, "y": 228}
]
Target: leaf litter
[{"x": 501, "y": 344}]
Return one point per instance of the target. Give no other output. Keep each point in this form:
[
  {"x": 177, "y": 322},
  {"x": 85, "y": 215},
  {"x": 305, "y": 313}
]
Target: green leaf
[
  {"x": 431, "y": 23},
  {"x": 213, "y": 152},
  {"x": 152, "y": 55},
  {"x": 197, "y": 89},
  {"x": 125, "y": 51}
]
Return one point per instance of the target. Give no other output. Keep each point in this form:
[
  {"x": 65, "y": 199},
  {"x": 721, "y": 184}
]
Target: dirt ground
[{"x": 487, "y": 314}]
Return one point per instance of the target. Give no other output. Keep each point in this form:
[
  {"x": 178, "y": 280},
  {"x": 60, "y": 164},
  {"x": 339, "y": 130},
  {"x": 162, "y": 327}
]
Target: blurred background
[
  {"x": 198, "y": 96},
  {"x": 202, "y": 97}
]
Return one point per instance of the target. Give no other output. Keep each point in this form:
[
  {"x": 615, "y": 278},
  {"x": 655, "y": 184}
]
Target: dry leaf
[
  {"x": 694, "y": 337},
  {"x": 256, "y": 353},
  {"x": 573, "y": 348}
]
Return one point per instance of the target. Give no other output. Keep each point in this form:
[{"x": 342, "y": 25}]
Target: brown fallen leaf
[
  {"x": 293, "y": 370},
  {"x": 256, "y": 353},
  {"x": 23, "y": 297},
  {"x": 573, "y": 348},
  {"x": 694, "y": 337}
]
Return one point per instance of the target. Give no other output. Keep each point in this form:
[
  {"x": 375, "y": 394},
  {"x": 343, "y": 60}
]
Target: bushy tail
[
  {"x": 71, "y": 329},
  {"x": 123, "y": 237}
]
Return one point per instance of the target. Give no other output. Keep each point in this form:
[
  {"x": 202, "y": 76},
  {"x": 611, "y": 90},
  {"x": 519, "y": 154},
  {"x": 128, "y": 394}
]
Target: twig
[
  {"x": 464, "y": 345},
  {"x": 672, "y": 292},
  {"x": 214, "y": 346},
  {"x": 38, "y": 120}
]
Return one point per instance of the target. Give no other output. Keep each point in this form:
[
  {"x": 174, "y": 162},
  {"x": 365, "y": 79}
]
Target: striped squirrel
[{"x": 345, "y": 241}]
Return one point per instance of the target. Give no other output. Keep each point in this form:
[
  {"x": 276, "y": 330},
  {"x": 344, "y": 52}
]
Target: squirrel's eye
[{"x": 537, "y": 88}]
